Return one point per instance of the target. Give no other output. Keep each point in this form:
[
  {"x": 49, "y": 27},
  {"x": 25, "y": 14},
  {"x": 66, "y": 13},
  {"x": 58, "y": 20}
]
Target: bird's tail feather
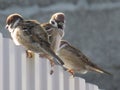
[
  {"x": 99, "y": 70},
  {"x": 59, "y": 60}
]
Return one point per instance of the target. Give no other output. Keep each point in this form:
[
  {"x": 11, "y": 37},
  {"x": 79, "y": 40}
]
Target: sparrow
[
  {"x": 30, "y": 35},
  {"x": 75, "y": 61},
  {"x": 55, "y": 30}
]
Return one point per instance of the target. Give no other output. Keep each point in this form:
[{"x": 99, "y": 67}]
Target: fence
[{"x": 19, "y": 73}]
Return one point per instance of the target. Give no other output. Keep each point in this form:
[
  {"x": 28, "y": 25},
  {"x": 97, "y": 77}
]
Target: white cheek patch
[
  {"x": 55, "y": 24},
  {"x": 10, "y": 29}
]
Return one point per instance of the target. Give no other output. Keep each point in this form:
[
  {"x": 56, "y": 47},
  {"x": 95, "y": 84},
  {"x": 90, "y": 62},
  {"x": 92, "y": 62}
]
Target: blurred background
[{"x": 93, "y": 26}]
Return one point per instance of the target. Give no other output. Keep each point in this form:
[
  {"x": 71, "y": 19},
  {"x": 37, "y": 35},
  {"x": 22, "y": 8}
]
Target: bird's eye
[{"x": 52, "y": 22}]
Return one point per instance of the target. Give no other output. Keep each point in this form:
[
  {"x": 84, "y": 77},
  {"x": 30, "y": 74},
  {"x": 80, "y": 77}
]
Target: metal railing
[{"x": 20, "y": 73}]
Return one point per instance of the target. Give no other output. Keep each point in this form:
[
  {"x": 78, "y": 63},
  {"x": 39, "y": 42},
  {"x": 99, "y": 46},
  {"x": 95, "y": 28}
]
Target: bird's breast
[
  {"x": 15, "y": 37},
  {"x": 20, "y": 38}
]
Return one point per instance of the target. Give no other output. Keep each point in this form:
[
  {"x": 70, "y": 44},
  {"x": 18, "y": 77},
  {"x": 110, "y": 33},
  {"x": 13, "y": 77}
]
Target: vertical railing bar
[
  {"x": 80, "y": 83},
  {"x": 6, "y": 64},
  {"x": 24, "y": 71},
  {"x": 30, "y": 65},
  {"x": 1, "y": 62},
  {"x": 61, "y": 78},
  {"x": 90, "y": 86},
  {"x": 55, "y": 78},
  {"x": 66, "y": 80},
  {"x": 12, "y": 77},
  {"x": 49, "y": 77},
  {"x": 44, "y": 72},
  {"x": 18, "y": 68},
  {"x": 71, "y": 83},
  {"x": 38, "y": 73},
  {"x": 77, "y": 83}
]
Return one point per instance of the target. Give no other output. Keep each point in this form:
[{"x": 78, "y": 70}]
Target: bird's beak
[{"x": 60, "y": 25}]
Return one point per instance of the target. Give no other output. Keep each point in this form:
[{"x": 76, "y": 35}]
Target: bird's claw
[
  {"x": 51, "y": 72},
  {"x": 71, "y": 72},
  {"x": 29, "y": 54}
]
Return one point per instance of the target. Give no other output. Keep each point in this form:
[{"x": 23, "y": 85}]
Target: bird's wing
[
  {"x": 46, "y": 47},
  {"x": 84, "y": 59},
  {"x": 47, "y": 26}
]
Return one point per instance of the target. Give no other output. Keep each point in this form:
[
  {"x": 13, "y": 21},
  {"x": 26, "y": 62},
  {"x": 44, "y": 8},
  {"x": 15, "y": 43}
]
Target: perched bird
[
  {"x": 31, "y": 35},
  {"x": 75, "y": 61},
  {"x": 55, "y": 29}
]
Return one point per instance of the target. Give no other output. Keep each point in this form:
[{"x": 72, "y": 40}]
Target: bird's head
[
  {"x": 58, "y": 20},
  {"x": 12, "y": 21}
]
